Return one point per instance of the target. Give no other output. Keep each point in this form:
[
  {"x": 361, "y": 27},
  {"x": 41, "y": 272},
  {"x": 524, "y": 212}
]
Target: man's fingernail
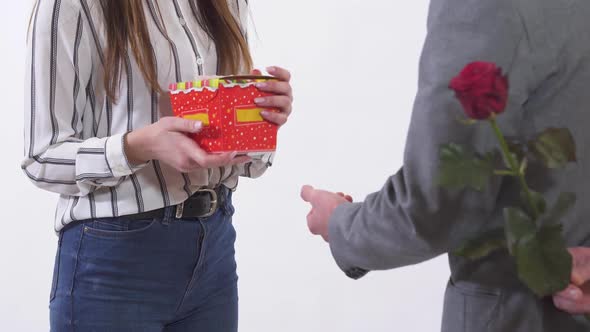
[
  {"x": 271, "y": 69},
  {"x": 198, "y": 124},
  {"x": 261, "y": 85},
  {"x": 259, "y": 100},
  {"x": 264, "y": 113}
]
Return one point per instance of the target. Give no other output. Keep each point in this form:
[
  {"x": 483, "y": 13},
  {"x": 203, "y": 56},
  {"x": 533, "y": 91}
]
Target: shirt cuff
[{"x": 117, "y": 159}]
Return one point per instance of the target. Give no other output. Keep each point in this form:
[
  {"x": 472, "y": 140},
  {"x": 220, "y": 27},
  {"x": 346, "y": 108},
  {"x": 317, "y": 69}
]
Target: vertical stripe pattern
[
  {"x": 79, "y": 31},
  {"x": 33, "y": 77},
  {"x": 53, "y": 70}
]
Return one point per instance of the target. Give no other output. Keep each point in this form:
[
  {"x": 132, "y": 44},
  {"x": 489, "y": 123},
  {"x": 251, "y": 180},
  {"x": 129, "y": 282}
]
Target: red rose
[{"x": 482, "y": 89}]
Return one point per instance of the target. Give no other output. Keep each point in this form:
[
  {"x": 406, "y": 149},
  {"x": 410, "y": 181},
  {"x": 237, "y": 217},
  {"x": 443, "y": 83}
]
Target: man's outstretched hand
[{"x": 323, "y": 203}]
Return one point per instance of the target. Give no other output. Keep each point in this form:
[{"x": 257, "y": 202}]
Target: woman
[{"x": 144, "y": 216}]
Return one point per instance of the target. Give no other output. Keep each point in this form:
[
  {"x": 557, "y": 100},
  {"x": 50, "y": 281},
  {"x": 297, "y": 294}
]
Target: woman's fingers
[
  {"x": 187, "y": 156},
  {"x": 281, "y": 99},
  {"x": 207, "y": 160},
  {"x": 274, "y": 117},
  {"x": 280, "y": 73},
  {"x": 276, "y": 87},
  {"x": 281, "y": 102}
]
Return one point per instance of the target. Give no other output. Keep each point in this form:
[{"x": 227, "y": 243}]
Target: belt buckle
[{"x": 214, "y": 202}]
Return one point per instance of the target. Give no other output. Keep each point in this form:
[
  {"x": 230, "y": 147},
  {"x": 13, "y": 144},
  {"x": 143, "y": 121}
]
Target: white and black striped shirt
[{"x": 74, "y": 136}]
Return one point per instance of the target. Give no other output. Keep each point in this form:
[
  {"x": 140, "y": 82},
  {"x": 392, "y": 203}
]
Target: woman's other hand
[
  {"x": 282, "y": 98},
  {"x": 168, "y": 142}
]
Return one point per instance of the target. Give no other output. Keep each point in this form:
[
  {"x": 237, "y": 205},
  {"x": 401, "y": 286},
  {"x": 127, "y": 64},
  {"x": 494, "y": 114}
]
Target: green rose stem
[{"x": 515, "y": 169}]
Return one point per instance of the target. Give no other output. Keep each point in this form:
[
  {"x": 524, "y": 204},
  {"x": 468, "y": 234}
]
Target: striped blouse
[{"x": 74, "y": 136}]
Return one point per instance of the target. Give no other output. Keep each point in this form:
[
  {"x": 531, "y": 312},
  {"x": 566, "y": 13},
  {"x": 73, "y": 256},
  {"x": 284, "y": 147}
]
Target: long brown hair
[{"x": 126, "y": 30}]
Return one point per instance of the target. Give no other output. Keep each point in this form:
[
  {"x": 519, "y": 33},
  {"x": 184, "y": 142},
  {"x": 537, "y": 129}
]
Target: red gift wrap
[{"x": 231, "y": 120}]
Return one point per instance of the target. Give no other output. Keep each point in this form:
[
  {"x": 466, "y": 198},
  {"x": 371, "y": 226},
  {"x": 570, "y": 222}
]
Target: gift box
[{"x": 231, "y": 120}]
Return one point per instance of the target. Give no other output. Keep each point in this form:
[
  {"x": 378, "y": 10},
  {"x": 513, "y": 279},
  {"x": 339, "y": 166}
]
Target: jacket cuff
[{"x": 337, "y": 225}]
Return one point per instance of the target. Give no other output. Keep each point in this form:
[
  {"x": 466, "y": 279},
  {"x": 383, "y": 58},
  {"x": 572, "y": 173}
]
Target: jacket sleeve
[{"x": 410, "y": 219}]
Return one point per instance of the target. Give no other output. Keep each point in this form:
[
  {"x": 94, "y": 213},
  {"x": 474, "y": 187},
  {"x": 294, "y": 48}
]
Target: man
[{"x": 544, "y": 47}]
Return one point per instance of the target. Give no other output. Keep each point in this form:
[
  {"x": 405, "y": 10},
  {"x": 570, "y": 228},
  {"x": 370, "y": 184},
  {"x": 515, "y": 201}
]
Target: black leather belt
[{"x": 202, "y": 204}]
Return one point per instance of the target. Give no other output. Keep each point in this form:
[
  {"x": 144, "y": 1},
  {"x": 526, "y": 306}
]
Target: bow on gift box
[{"x": 532, "y": 234}]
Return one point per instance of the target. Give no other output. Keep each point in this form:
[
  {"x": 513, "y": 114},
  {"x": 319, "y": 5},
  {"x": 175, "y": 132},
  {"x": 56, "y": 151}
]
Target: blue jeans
[{"x": 150, "y": 275}]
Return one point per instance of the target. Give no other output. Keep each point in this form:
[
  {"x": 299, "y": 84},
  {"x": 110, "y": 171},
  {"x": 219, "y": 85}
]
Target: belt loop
[
  {"x": 168, "y": 215},
  {"x": 226, "y": 193},
  {"x": 179, "y": 210}
]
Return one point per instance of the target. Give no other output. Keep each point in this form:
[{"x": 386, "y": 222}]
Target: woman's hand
[
  {"x": 167, "y": 141},
  {"x": 576, "y": 298},
  {"x": 282, "y": 98}
]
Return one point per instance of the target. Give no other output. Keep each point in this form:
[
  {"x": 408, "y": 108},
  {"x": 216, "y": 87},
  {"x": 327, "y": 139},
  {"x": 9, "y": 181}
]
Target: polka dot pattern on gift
[{"x": 232, "y": 121}]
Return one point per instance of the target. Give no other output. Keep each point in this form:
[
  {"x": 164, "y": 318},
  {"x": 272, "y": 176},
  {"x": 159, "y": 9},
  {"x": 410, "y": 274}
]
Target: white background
[{"x": 355, "y": 65}]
